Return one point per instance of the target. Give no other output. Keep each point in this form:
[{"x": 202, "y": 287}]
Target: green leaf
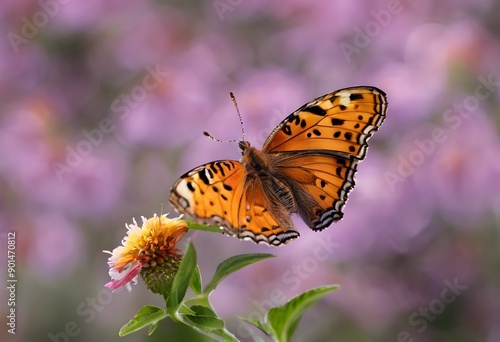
[
  {"x": 204, "y": 227},
  {"x": 195, "y": 282},
  {"x": 185, "y": 310},
  {"x": 283, "y": 320},
  {"x": 206, "y": 321},
  {"x": 261, "y": 325},
  {"x": 147, "y": 315},
  {"x": 183, "y": 277},
  {"x": 205, "y": 318},
  {"x": 233, "y": 264}
]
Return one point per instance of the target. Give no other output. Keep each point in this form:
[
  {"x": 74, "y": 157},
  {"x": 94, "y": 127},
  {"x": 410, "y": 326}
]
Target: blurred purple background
[{"x": 103, "y": 105}]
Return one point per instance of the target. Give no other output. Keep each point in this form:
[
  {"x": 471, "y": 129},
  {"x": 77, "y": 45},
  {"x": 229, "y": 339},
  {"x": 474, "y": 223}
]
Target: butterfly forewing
[
  {"x": 210, "y": 193},
  {"x": 220, "y": 193},
  {"x": 341, "y": 121}
]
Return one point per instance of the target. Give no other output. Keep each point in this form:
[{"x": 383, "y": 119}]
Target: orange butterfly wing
[
  {"x": 341, "y": 122},
  {"x": 317, "y": 149},
  {"x": 221, "y": 193},
  {"x": 321, "y": 184}
]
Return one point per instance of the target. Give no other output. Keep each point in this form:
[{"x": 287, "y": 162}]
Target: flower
[{"x": 149, "y": 250}]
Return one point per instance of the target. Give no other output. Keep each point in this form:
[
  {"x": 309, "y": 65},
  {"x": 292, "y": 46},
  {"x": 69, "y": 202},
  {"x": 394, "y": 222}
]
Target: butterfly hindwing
[
  {"x": 320, "y": 184},
  {"x": 263, "y": 218}
]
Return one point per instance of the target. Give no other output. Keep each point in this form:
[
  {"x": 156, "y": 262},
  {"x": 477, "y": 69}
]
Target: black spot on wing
[
  {"x": 295, "y": 119},
  {"x": 287, "y": 130},
  {"x": 210, "y": 173},
  {"x": 353, "y": 97},
  {"x": 337, "y": 122},
  {"x": 213, "y": 168},
  {"x": 221, "y": 169},
  {"x": 204, "y": 177},
  {"x": 317, "y": 110}
]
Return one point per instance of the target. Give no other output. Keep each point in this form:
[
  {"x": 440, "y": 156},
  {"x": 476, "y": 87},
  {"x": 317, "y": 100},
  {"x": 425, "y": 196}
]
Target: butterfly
[{"x": 306, "y": 166}]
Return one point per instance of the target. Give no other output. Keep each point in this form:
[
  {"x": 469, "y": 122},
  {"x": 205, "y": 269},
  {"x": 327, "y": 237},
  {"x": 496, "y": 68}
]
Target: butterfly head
[{"x": 244, "y": 146}]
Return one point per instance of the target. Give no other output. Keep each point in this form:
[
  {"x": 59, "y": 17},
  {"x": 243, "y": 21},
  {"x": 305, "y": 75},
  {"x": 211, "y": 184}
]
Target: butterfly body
[
  {"x": 306, "y": 166},
  {"x": 264, "y": 171}
]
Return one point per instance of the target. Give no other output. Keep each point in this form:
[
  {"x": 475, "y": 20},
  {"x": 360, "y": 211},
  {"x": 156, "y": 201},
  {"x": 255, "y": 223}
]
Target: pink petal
[{"x": 127, "y": 278}]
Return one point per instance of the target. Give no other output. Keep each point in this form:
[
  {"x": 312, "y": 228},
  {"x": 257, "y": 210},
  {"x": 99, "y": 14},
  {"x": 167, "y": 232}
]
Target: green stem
[{"x": 173, "y": 313}]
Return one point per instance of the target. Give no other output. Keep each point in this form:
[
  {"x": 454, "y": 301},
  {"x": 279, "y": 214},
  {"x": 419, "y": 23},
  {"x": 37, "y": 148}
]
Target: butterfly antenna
[
  {"x": 233, "y": 98},
  {"x": 218, "y": 140}
]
